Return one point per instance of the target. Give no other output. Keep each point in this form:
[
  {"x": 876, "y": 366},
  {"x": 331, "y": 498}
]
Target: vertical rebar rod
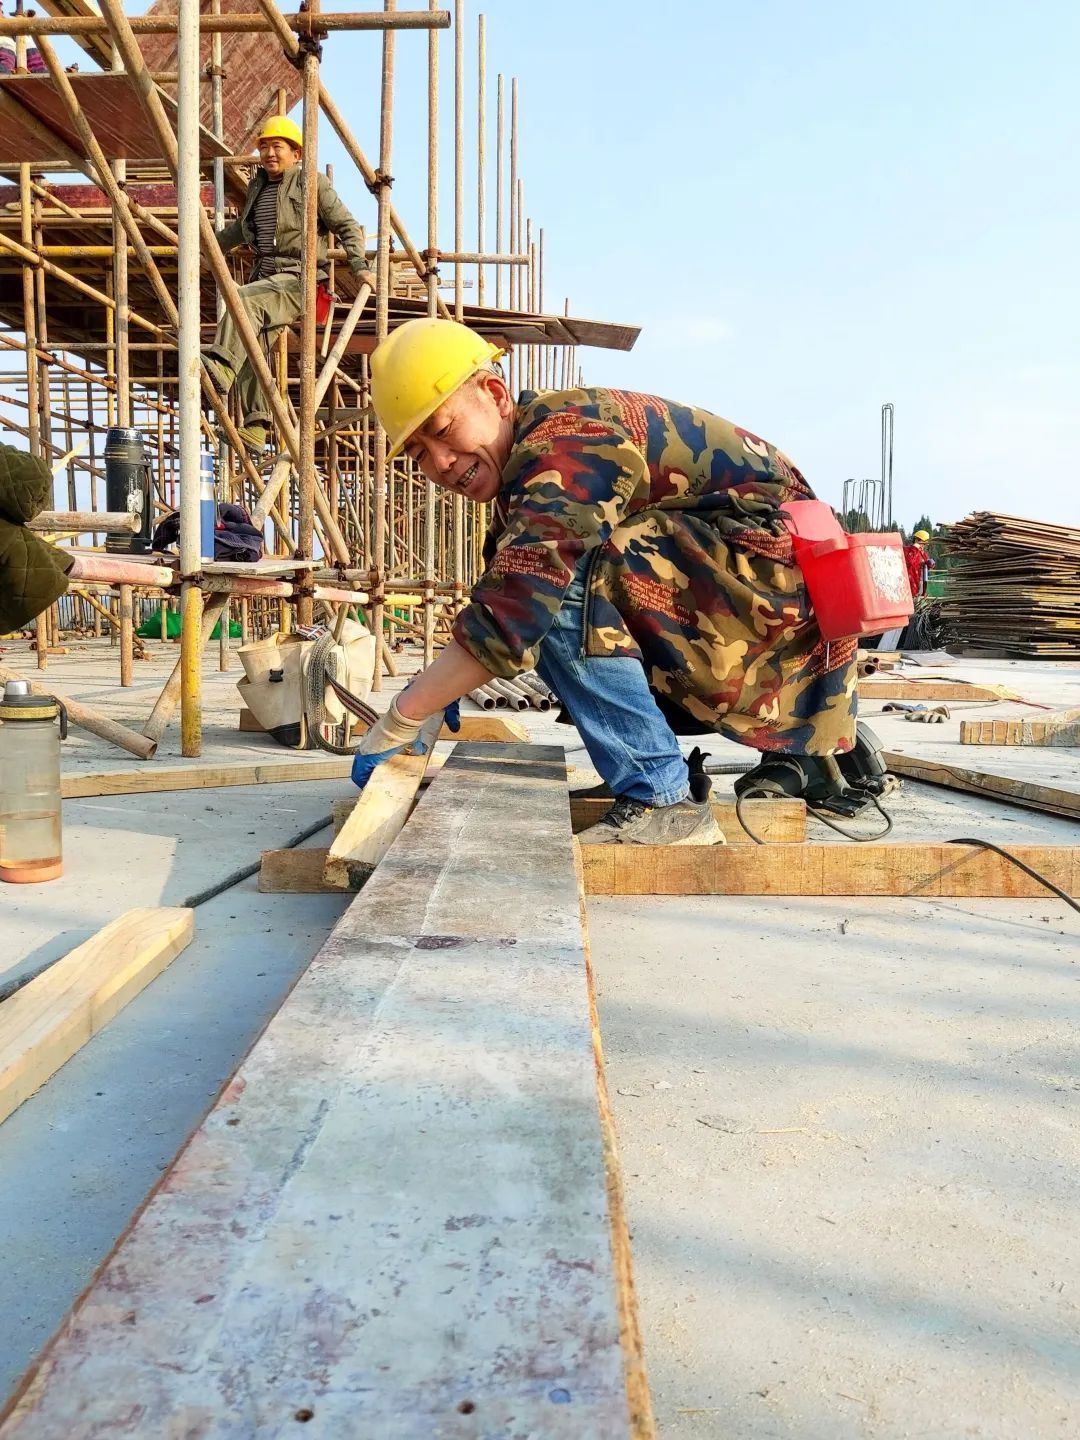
[
  {"x": 515, "y": 272},
  {"x": 459, "y": 152},
  {"x": 500, "y": 161},
  {"x": 481, "y": 152},
  {"x": 189, "y": 202}
]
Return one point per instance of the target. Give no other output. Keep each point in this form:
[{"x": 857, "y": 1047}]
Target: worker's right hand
[{"x": 390, "y": 734}]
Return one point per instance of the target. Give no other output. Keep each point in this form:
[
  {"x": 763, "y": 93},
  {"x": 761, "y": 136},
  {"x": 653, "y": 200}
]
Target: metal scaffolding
[{"x": 109, "y": 289}]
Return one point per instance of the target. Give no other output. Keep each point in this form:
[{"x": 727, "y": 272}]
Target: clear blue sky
[{"x": 809, "y": 209}]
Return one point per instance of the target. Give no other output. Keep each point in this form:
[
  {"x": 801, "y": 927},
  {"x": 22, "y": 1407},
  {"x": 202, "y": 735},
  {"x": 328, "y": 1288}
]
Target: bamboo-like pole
[
  {"x": 139, "y": 75},
  {"x": 382, "y": 325},
  {"x": 92, "y": 720},
  {"x": 217, "y": 117},
  {"x": 433, "y": 310},
  {"x": 301, "y": 22},
  {"x": 308, "y": 340},
  {"x": 127, "y": 636},
  {"x": 29, "y": 312},
  {"x": 189, "y": 211}
]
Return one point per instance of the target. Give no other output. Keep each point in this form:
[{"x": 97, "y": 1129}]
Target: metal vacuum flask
[{"x": 128, "y": 487}]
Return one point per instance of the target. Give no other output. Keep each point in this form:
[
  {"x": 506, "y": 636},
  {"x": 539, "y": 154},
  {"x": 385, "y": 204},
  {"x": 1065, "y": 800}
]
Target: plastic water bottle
[{"x": 207, "y": 505}]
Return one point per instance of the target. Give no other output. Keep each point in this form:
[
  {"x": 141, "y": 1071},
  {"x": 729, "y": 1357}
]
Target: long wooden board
[
  {"x": 246, "y": 772},
  {"x": 1061, "y": 728},
  {"x": 830, "y": 869},
  {"x": 395, "y": 1221},
  {"x": 1052, "y": 799},
  {"x": 874, "y": 689},
  {"x": 379, "y": 813},
  {"x": 473, "y": 727},
  {"x": 46, "y": 1022}
]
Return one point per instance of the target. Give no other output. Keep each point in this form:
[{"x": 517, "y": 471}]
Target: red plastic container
[{"x": 857, "y": 584}]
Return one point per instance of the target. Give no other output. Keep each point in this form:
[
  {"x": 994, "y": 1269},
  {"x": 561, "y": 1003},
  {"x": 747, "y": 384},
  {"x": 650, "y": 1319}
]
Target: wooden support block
[
  {"x": 401, "y": 1217},
  {"x": 296, "y": 871},
  {"x": 1062, "y": 728},
  {"x": 1052, "y": 799},
  {"x": 52, "y": 1016},
  {"x": 380, "y": 811},
  {"x": 829, "y": 869},
  {"x": 775, "y": 820},
  {"x": 873, "y": 689}
]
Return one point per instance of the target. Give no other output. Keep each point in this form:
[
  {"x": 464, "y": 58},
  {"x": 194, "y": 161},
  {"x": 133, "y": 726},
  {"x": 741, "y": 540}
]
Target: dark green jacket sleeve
[
  {"x": 231, "y": 235},
  {"x": 335, "y": 217},
  {"x": 31, "y": 572}
]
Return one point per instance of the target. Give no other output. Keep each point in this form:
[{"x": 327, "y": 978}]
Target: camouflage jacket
[
  {"x": 288, "y": 240},
  {"x": 691, "y": 569}
]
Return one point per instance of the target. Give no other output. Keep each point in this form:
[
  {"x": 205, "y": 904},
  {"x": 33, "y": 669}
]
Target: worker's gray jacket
[{"x": 333, "y": 216}]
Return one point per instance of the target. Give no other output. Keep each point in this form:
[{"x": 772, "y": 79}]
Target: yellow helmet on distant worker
[
  {"x": 280, "y": 127},
  {"x": 417, "y": 367},
  {"x": 922, "y": 534}
]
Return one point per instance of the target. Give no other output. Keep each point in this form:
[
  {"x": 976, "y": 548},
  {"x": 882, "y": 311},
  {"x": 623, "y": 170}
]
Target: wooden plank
[
  {"x": 212, "y": 777},
  {"x": 380, "y": 812},
  {"x": 1062, "y": 728},
  {"x": 931, "y": 689},
  {"x": 396, "y": 1220},
  {"x": 46, "y": 1022},
  {"x": 829, "y": 869},
  {"x": 1052, "y": 799},
  {"x": 775, "y": 820},
  {"x": 490, "y": 728}
]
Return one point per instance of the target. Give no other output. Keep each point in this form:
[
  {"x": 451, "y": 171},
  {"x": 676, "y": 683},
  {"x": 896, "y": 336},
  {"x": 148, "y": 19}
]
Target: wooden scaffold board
[{"x": 401, "y": 1218}]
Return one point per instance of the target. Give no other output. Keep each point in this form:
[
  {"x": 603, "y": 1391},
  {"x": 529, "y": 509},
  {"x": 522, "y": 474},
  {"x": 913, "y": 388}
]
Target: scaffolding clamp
[
  {"x": 309, "y": 40},
  {"x": 379, "y": 181}
]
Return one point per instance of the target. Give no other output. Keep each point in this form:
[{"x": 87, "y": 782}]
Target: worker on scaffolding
[
  {"x": 636, "y": 558},
  {"x": 271, "y": 222}
]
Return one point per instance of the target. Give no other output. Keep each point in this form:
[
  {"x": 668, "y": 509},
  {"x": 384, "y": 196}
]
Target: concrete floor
[
  {"x": 850, "y": 1147},
  {"x": 895, "y": 1258}
]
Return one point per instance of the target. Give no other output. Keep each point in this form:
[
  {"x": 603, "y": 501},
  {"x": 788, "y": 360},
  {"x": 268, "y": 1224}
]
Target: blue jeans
[{"x": 631, "y": 745}]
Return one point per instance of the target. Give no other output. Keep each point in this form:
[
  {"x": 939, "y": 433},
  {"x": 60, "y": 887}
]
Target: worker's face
[
  {"x": 277, "y": 155},
  {"x": 465, "y": 445}
]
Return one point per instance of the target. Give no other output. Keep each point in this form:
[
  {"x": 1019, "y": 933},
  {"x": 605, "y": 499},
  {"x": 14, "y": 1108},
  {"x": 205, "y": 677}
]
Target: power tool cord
[
  {"x": 816, "y": 814},
  {"x": 1021, "y": 865},
  {"x": 960, "y": 840},
  {"x": 235, "y": 877}
]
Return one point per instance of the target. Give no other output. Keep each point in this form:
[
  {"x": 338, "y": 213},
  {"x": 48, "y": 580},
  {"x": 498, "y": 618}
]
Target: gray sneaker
[{"x": 632, "y": 822}]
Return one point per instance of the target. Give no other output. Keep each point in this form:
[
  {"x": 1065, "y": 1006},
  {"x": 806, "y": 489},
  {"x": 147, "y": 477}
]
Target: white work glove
[
  {"x": 391, "y": 731},
  {"x": 388, "y": 736}
]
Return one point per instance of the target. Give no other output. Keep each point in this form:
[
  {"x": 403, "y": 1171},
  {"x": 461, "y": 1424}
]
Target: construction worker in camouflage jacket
[
  {"x": 271, "y": 222},
  {"x": 635, "y": 557}
]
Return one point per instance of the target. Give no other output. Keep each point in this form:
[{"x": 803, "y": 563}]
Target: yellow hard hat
[
  {"x": 282, "y": 128},
  {"x": 417, "y": 367},
  {"x": 922, "y": 534}
]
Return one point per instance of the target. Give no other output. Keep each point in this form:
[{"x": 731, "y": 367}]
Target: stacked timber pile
[{"x": 1013, "y": 585}]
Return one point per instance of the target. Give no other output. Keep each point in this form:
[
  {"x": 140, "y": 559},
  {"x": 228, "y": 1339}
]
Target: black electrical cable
[
  {"x": 235, "y": 877},
  {"x": 1020, "y": 865},
  {"x": 816, "y": 814},
  {"x": 13, "y": 986}
]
